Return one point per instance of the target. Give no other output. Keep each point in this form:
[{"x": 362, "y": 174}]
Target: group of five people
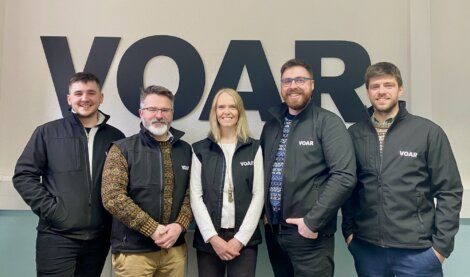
[{"x": 393, "y": 176}]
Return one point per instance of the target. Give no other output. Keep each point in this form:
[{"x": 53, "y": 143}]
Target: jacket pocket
[
  {"x": 59, "y": 215},
  {"x": 419, "y": 215}
]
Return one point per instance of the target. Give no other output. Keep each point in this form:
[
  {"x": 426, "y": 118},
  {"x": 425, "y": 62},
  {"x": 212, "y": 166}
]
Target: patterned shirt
[
  {"x": 275, "y": 187},
  {"x": 381, "y": 128}
]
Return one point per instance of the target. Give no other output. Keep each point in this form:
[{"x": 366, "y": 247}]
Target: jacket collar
[
  {"x": 402, "y": 111},
  {"x": 73, "y": 118},
  {"x": 239, "y": 142}
]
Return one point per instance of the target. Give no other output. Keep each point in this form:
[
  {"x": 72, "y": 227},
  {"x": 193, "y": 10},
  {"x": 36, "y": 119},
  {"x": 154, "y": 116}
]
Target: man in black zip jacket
[
  {"x": 146, "y": 189},
  {"x": 309, "y": 173},
  {"x": 59, "y": 176},
  {"x": 404, "y": 212}
]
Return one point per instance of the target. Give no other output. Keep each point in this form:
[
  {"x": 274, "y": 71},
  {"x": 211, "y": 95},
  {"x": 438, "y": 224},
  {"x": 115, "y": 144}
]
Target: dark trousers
[
  {"x": 210, "y": 265},
  {"x": 375, "y": 261},
  {"x": 60, "y": 256},
  {"x": 293, "y": 255}
]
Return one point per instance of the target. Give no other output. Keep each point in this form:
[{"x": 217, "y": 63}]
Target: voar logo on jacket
[
  {"x": 248, "y": 163},
  {"x": 306, "y": 142},
  {"x": 408, "y": 154}
]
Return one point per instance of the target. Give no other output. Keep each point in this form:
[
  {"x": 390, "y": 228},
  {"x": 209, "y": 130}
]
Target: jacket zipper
[
  {"x": 221, "y": 191},
  {"x": 89, "y": 180},
  {"x": 161, "y": 187}
]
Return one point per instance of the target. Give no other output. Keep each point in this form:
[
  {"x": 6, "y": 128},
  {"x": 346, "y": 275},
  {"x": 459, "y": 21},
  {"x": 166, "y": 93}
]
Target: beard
[
  {"x": 297, "y": 104},
  {"x": 156, "y": 131},
  {"x": 387, "y": 108}
]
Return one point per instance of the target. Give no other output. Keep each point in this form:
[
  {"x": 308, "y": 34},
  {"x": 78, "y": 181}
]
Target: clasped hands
[
  {"x": 226, "y": 250},
  {"x": 166, "y": 235}
]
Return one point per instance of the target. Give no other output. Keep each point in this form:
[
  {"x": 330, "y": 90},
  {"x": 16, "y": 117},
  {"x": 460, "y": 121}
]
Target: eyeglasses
[
  {"x": 155, "y": 110},
  {"x": 298, "y": 81}
]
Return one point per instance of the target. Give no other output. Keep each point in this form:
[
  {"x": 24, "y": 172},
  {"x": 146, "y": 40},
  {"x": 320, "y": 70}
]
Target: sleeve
[
  {"x": 447, "y": 190},
  {"x": 29, "y": 170},
  {"x": 185, "y": 215},
  {"x": 115, "y": 198},
  {"x": 347, "y": 213},
  {"x": 252, "y": 217},
  {"x": 338, "y": 152},
  {"x": 201, "y": 215}
]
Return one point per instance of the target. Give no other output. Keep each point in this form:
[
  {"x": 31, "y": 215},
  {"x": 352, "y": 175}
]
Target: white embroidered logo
[
  {"x": 306, "y": 142},
  {"x": 249, "y": 163},
  {"x": 408, "y": 154},
  {"x": 185, "y": 167}
]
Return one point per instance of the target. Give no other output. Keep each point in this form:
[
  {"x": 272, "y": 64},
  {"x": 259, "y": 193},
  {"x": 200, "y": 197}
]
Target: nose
[{"x": 159, "y": 114}]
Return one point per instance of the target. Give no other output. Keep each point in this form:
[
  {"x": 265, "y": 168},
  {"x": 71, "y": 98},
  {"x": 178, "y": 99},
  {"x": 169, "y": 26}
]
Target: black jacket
[
  {"x": 145, "y": 187},
  {"x": 393, "y": 203},
  {"x": 53, "y": 177},
  {"x": 319, "y": 167},
  {"x": 213, "y": 169}
]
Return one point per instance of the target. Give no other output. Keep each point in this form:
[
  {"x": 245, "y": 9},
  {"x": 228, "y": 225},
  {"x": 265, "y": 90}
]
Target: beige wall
[
  {"x": 450, "y": 24},
  {"x": 428, "y": 40}
]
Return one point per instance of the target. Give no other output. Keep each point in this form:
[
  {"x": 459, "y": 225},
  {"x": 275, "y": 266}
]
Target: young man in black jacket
[
  {"x": 404, "y": 212},
  {"x": 309, "y": 173},
  {"x": 59, "y": 176}
]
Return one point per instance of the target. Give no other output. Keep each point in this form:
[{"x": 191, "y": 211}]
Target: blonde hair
[{"x": 242, "y": 123}]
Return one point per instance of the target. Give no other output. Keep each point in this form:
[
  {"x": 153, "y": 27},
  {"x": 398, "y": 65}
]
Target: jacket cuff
[
  {"x": 441, "y": 248},
  {"x": 149, "y": 227}
]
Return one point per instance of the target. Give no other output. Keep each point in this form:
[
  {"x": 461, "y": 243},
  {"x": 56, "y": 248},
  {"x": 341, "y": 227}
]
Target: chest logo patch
[
  {"x": 408, "y": 154},
  {"x": 185, "y": 167},
  {"x": 306, "y": 142},
  {"x": 248, "y": 163}
]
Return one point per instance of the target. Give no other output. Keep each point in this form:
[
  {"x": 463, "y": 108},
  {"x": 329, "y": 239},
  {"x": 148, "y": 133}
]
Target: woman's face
[{"x": 226, "y": 111}]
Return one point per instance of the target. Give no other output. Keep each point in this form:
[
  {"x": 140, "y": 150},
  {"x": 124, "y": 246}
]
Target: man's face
[
  {"x": 383, "y": 93},
  {"x": 85, "y": 99},
  {"x": 157, "y": 114},
  {"x": 296, "y": 96}
]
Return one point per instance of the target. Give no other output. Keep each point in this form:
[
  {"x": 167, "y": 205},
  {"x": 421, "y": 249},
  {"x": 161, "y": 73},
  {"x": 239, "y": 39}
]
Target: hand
[
  {"x": 161, "y": 229},
  {"x": 438, "y": 255},
  {"x": 304, "y": 231},
  {"x": 235, "y": 245},
  {"x": 222, "y": 249},
  {"x": 265, "y": 220},
  {"x": 349, "y": 239},
  {"x": 169, "y": 237}
]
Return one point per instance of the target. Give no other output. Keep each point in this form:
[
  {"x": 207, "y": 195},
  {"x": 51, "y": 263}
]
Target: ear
[
  {"x": 101, "y": 98},
  {"x": 69, "y": 100},
  {"x": 400, "y": 91}
]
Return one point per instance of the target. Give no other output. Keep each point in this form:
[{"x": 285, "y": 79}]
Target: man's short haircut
[
  {"x": 158, "y": 90},
  {"x": 383, "y": 69},
  {"x": 297, "y": 62},
  {"x": 84, "y": 77}
]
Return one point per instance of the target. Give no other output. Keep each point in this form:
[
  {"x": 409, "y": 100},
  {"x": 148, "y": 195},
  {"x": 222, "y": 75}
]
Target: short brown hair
[
  {"x": 158, "y": 90},
  {"x": 296, "y": 62},
  {"x": 382, "y": 69},
  {"x": 84, "y": 77}
]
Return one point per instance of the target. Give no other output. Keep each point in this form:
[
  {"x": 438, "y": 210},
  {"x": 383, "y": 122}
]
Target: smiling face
[
  {"x": 85, "y": 98},
  {"x": 296, "y": 96},
  {"x": 226, "y": 111},
  {"x": 383, "y": 92},
  {"x": 156, "y": 115}
]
